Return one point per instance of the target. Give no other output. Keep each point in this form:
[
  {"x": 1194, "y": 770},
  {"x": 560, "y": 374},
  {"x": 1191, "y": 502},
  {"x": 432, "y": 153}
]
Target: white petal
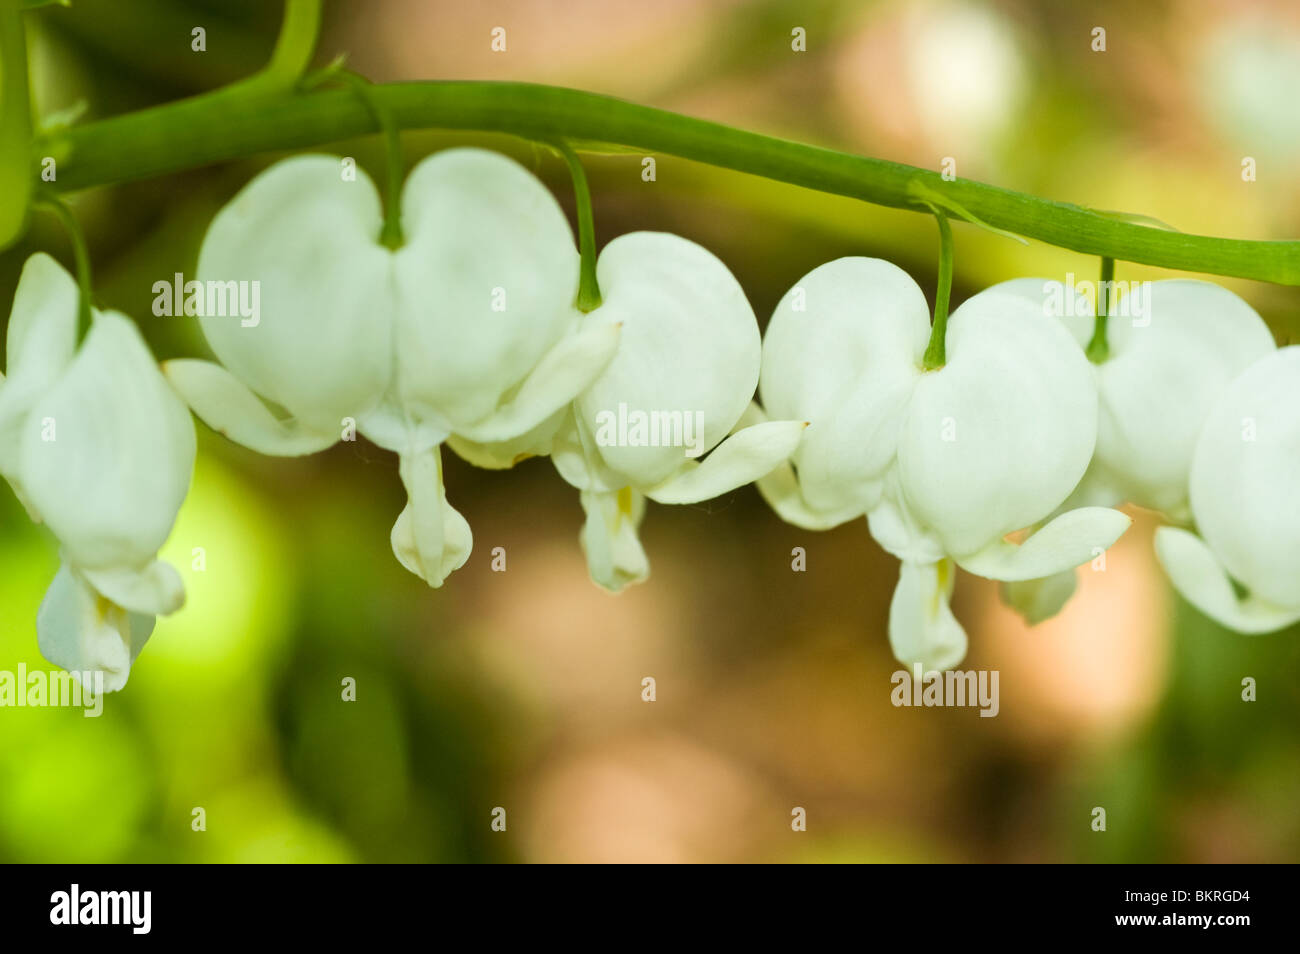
[
  {"x": 430, "y": 538},
  {"x": 842, "y": 352},
  {"x": 1053, "y": 299},
  {"x": 117, "y": 466},
  {"x": 1245, "y": 479},
  {"x": 742, "y": 458},
  {"x": 615, "y": 557},
  {"x": 1040, "y": 599},
  {"x": 574, "y": 455},
  {"x": 41, "y": 340},
  {"x": 1069, "y": 540},
  {"x": 80, "y": 631},
  {"x": 999, "y": 437},
  {"x": 1204, "y": 583},
  {"x": 155, "y": 590},
  {"x": 42, "y": 330},
  {"x": 394, "y": 427},
  {"x": 1167, "y": 369},
  {"x": 922, "y": 628},
  {"x": 690, "y": 350},
  {"x": 486, "y": 283},
  {"x": 228, "y": 407},
  {"x": 780, "y": 488},
  {"x": 1174, "y": 347},
  {"x": 565, "y": 371},
  {"x": 322, "y": 345},
  {"x": 501, "y": 455},
  {"x": 896, "y": 528},
  {"x": 1099, "y": 488}
]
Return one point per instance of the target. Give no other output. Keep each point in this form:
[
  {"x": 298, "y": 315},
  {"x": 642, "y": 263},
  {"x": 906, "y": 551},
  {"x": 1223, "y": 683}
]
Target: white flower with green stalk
[
  {"x": 455, "y": 315},
  {"x": 1163, "y": 356},
  {"x": 947, "y": 447},
  {"x": 97, "y": 447}
]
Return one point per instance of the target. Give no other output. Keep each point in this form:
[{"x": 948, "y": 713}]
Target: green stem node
[
  {"x": 935, "y": 353},
  {"x": 1098, "y": 349},
  {"x": 59, "y": 209},
  {"x": 391, "y": 236},
  {"x": 588, "y": 299}
]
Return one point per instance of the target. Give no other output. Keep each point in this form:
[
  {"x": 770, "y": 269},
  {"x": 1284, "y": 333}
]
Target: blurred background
[{"x": 522, "y": 689}]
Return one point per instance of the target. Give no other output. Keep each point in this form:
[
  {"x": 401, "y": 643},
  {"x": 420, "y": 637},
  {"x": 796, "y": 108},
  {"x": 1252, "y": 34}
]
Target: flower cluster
[
  {"x": 1007, "y": 460},
  {"x": 690, "y": 352},
  {"x": 944, "y": 463},
  {"x": 1018, "y": 434}
]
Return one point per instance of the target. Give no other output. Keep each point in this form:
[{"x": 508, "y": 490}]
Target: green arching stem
[
  {"x": 588, "y": 289},
  {"x": 16, "y": 178},
  {"x": 216, "y": 127},
  {"x": 59, "y": 209},
  {"x": 391, "y": 235},
  {"x": 294, "y": 48},
  {"x": 296, "y": 43},
  {"x": 1098, "y": 350},
  {"x": 935, "y": 353}
]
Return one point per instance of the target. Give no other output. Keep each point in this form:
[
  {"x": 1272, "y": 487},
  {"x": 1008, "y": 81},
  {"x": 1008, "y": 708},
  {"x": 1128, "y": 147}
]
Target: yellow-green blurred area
[{"x": 523, "y": 689}]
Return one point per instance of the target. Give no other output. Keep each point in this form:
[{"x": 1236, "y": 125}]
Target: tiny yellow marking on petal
[
  {"x": 943, "y": 571},
  {"x": 625, "y": 501}
]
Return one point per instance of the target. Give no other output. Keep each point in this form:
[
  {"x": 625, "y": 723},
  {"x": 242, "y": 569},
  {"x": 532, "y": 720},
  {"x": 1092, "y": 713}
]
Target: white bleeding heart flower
[
  {"x": 1174, "y": 347},
  {"x": 945, "y": 463},
  {"x": 680, "y": 383},
  {"x": 843, "y": 352},
  {"x": 99, "y": 448},
  {"x": 1245, "y": 499},
  {"x": 468, "y": 328}
]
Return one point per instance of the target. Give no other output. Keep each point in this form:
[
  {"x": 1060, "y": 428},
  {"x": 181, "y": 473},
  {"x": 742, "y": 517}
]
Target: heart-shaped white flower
[
  {"x": 468, "y": 328},
  {"x": 1245, "y": 499},
  {"x": 945, "y": 463},
  {"x": 683, "y": 376},
  {"x": 100, "y": 449},
  {"x": 1174, "y": 347}
]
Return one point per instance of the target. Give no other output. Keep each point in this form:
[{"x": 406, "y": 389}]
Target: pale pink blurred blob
[
  {"x": 574, "y": 651},
  {"x": 931, "y": 80},
  {"x": 1098, "y": 666},
  {"x": 656, "y": 798},
  {"x": 628, "y": 49},
  {"x": 1245, "y": 70}
]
